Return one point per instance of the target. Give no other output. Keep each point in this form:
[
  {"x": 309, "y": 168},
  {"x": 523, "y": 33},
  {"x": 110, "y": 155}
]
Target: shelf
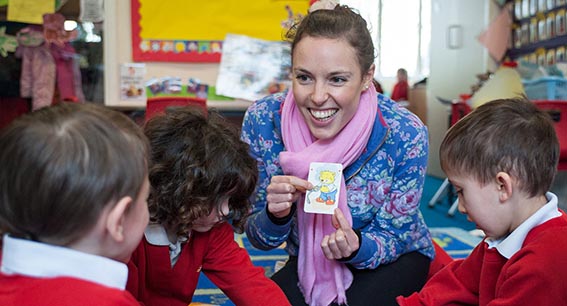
[
  {"x": 236, "y": 105},
  {"x": 550, "y": 43}
]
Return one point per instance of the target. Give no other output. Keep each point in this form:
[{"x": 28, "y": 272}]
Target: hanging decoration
[{"x": 8, "y": 43}]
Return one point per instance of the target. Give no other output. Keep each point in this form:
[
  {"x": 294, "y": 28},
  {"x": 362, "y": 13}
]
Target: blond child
[{"x": 73, "y": 189}]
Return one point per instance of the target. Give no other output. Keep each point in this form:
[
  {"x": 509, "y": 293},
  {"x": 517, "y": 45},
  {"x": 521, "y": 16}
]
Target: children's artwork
[
  {"x": 252, "y": 68},
  {"x": 326, "y": 179},
  {"x": 175, "y": 87},
  {"x": 132, "y": 86}
]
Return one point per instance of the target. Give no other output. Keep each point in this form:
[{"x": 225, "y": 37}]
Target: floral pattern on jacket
[{"x": 384, "y": 185}]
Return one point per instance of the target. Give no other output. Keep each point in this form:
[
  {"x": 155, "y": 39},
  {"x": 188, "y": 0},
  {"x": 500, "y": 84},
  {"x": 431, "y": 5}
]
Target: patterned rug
[{"x": 456, "y": 241}]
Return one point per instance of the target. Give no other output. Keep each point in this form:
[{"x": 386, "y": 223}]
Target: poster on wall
[
  {"x": 132, "y": 86},
  {"x": 194, "y": 31},
  {"x": 253, "y": 68}
]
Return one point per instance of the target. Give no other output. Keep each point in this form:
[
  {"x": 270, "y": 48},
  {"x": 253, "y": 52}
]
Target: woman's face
[{"x": 327, "y": 83}]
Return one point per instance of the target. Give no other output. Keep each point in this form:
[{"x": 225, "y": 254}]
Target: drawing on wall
[{"x": 252, "y": 68}]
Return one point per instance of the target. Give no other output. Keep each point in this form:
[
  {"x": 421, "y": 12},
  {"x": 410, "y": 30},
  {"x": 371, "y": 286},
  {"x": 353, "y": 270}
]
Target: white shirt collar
[
  {"x": 508, "y": 246},
  {"x": 35, "y": 259},
  {"x": 156, "y": 235}
]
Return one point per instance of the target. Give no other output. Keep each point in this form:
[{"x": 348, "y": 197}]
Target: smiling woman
[{"x": 332, "y": 114}]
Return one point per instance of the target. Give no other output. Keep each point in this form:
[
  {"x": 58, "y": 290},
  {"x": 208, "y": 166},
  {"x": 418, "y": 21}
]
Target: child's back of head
[
  {"x": 508, "y": 135},
  {"x": 61, "y": 166}
]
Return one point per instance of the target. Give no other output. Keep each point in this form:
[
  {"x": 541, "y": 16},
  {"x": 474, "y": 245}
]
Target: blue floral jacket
[{"x": 384, "y": 185}]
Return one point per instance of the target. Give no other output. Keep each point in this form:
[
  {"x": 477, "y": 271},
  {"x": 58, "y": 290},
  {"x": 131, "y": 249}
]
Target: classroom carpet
[{"x": 455, "y": 240}]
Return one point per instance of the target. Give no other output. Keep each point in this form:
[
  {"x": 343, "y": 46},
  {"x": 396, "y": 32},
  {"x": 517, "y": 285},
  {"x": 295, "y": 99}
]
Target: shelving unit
[{"x": 539, "y": 33}]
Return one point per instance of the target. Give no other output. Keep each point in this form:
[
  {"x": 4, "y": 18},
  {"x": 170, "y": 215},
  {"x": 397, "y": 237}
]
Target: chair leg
[
  {"x": 438, "y": 193},
  {"x": 453, "y": 208}
]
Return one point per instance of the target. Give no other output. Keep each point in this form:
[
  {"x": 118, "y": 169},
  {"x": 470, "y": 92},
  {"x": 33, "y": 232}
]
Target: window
[{"x": 401, "y": 31}]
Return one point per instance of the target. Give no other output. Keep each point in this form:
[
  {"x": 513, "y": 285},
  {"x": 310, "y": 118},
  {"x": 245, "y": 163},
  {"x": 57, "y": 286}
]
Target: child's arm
[
  {"x": 456, "y": 284},
  {"x": 229, "y": 267}
]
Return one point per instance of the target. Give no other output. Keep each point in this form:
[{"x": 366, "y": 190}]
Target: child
[
  {"x": 73, "y": 190},
  {"x": 201, "y": 177},
  {"x": 401, "y": 88},
  {"x": 502, "y": 158}
]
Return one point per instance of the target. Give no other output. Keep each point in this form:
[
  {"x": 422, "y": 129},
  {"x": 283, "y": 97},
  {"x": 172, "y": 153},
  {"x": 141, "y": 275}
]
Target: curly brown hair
[{"x": 197, "y": 160}]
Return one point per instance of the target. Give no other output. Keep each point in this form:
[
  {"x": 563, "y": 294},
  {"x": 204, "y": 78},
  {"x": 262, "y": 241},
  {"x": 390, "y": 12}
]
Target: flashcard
[{"x": 326, "y": 179}]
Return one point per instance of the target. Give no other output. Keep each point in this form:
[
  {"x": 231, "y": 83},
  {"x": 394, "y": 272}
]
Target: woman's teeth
[{"x": 323, "y": 114}]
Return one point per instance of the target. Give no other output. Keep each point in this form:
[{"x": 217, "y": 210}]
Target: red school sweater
[
  {"x": 153, "y": 281},
  {"x": 18, "y": 290},
  {"x": 535, "y": 275}
]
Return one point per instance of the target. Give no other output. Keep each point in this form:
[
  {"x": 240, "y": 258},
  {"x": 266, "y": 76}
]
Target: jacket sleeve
[
  {"x": 397, "y": 195},
  {"x": 258, "y": 131},
  {"x": 229, "y": 267}
]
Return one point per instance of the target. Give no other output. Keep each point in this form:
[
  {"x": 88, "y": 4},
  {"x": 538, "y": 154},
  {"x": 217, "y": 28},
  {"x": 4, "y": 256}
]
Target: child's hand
[
  {"x": 282, "y": 192},
  {"x": 343, "y": 242}
]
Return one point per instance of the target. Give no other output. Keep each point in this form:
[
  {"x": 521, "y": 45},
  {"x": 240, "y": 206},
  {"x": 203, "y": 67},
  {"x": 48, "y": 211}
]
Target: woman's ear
[
  {"x": 505, "y": 186},
  {"x": 116, "y": 217},
  {"x": 368, "y": 77}
]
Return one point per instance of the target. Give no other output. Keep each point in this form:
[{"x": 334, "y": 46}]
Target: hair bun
[{"x": 323, "y": 5}]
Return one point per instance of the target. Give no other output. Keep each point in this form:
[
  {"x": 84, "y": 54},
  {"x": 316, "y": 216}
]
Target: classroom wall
[
  {"x": 453, "y": 71},
  {"x": 118, "y": 50}
]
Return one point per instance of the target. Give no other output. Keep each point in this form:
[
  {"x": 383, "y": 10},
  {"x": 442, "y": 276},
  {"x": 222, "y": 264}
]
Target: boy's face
[
  {"x": 137, "y": 218},
  {"x": 216, "y": 217},
  {"x": 482, "y": 206}
]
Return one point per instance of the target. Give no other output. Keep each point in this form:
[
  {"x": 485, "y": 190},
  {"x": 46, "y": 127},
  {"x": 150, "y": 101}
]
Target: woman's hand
[
  {"x": 282, "y": 192},
  {"x": 343, "y": 242}
]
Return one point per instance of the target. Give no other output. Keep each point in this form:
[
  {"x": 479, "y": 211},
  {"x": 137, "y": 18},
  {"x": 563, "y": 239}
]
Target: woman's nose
[{"x": 320, "y": 94}]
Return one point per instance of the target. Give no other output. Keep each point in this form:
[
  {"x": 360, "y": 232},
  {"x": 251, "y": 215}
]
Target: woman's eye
[
  {"x": 338, "y": 80},
  {"x": 302, "y": 78}
]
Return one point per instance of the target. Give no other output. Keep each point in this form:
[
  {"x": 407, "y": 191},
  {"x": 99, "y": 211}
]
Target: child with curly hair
[{"x": 201, "y": 180}]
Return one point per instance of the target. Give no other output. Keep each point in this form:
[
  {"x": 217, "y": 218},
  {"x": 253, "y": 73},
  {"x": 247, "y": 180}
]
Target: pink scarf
[{"x": 323, "y": 281}]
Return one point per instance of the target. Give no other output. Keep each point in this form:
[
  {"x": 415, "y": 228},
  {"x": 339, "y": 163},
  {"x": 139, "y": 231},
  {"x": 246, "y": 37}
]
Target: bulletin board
[{"x": 194, "y": 30}]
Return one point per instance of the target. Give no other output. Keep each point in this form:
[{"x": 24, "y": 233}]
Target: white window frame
[{"x": 387, "y": 20}]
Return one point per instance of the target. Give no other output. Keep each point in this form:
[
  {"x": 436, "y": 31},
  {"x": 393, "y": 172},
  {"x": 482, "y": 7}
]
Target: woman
[{"x": 376, "y": 245}]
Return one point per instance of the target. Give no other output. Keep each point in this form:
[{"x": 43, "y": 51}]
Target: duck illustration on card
[{"x": 326, "y": 179}]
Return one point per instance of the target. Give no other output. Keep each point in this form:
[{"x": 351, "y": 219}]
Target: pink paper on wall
[{"x": 497, "y": 37}]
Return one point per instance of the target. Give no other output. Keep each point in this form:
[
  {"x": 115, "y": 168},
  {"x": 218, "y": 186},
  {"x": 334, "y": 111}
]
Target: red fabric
[
  {"x": 11, "y": 108},
  {"x": 157, "y": 105},
  {"x": 154, "y": 282},
  {"x": 20, "y": 290},
  {"x": 400, "y": 91},
  {"x": 558, "y": 111},
  {"x": 535, "y": 275},
  {"x": 442, "y": 259}
]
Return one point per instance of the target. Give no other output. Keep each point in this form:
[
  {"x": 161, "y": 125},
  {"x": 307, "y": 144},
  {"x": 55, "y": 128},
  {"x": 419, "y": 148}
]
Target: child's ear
[
  {"x": 505, "y": 186},
  {"x": 116, "y": 217}
]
